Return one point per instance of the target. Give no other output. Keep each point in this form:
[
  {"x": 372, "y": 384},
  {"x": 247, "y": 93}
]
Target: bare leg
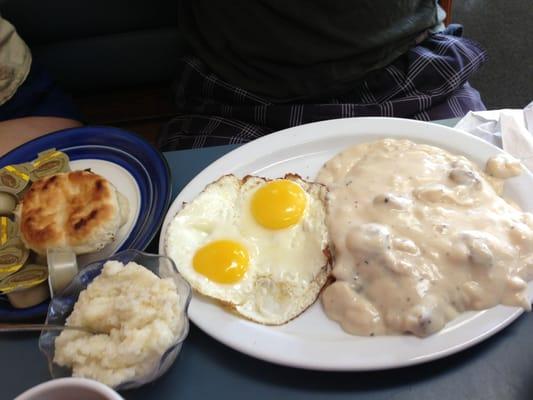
[{"x": 14, "y": 132}]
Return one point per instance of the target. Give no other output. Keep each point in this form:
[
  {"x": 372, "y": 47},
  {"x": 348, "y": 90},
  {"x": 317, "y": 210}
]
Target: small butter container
[
  {"x": 15, "y": 179},
  {"x": 27, "y": 287},
  {"x": 8, "y": 203},
  {"x": 8, "y": 231},
  {"x": 62, "y": 268},
  {"x": 12, "y": 258},
  {"x": 48, "y": 163}
]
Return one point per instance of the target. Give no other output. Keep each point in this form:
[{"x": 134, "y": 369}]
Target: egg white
[{"x": 287, "y": 267}]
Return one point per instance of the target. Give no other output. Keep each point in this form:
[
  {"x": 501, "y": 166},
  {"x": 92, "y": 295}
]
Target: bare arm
[{"x": 15, "y": 132}]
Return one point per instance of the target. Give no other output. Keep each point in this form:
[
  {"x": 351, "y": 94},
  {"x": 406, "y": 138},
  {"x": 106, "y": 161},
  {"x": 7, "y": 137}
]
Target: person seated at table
[
  {"x": 256, "y": 66},
  {"x": 31, "y": 105}
]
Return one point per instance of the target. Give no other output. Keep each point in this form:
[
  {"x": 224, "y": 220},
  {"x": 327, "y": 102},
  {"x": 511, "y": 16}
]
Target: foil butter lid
[
  {"x": 62, "y": 268},
  {"x": 48, "y": 163},
  {"x": 14, "y": 179},
  {"x": 12, "y": 259},
  {"x": 29, "y": 276},
  {"x": 8, "y": 231},
  {"x": 13, "y": 253},
  {"x": 27, "y": 287}
]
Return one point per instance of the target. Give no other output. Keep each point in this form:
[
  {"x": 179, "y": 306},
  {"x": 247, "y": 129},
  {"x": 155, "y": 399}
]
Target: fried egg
[{"x": 257, "y": 245}]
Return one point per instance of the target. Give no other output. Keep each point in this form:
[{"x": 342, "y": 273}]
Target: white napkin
[{"x": 509, "y": 129}]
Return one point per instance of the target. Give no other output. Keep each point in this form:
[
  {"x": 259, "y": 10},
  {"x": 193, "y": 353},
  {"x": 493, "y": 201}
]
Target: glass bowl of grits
[{"x": 128, "y": 319}]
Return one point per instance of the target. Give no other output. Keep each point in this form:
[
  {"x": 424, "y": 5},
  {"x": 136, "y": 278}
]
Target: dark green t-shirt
[{"x": 291, "y": 49}]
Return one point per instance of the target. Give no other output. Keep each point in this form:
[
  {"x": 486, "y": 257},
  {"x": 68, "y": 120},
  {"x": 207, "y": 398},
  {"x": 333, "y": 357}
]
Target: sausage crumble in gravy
[{"x": 419, "y": 236}]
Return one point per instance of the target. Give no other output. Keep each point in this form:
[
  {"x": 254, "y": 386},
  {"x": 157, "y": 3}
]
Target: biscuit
[{"x": 76, "y": 210}]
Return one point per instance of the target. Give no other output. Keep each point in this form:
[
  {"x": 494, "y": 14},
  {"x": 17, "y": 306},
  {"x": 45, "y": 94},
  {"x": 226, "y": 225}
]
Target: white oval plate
[{"x": 312, "y": 341}]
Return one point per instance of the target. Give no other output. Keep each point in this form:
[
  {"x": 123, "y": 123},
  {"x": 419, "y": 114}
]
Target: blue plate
[{"x": 133, "y": 165}]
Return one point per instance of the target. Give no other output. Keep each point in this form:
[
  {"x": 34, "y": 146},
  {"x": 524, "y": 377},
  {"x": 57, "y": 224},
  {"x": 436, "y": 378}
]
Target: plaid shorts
[{"x": 428, "y": 82}]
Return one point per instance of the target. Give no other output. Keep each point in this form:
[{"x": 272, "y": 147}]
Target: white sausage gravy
[{"x": 420, "y": 235}]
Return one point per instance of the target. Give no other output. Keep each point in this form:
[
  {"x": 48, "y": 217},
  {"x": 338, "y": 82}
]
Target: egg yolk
[
  {"x": 278, "y": 204},
  {"x": 222, "y": 261}
]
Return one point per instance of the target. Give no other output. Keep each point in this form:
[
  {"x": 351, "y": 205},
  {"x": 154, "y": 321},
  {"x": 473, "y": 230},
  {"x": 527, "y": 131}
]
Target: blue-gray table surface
[{"x": 498, "y": 368}]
